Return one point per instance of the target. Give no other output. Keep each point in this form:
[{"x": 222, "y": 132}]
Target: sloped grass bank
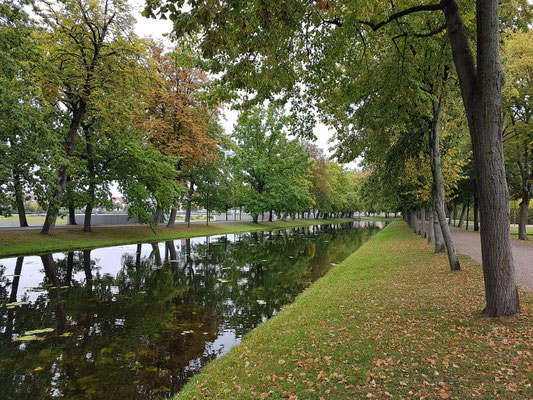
[
  {"x": 18, "y": 243},
  {"x": 390, "y": 321}
]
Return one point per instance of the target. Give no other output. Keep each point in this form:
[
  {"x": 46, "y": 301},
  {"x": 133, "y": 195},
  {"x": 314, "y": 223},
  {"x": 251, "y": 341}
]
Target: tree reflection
[{"x": 143, "y": 332}]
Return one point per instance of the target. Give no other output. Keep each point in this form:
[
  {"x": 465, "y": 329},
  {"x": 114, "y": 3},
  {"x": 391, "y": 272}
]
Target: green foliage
[{"x": 273, "y": 168}]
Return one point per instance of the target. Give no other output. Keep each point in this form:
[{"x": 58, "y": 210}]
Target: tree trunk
[
  {"x": 467, "y": 212},
  {"x": 87, "y": 265},
  {"x": 454, "y": 213},
  {"x": 270, "y": 216},
  {"x": 16, "y": 279},
  {"x": 189, "y": 204},
  {"x": 255, "y": 218},
  {"x": 438, "y": 186},
  {"x": 462, "y": 217},
  {"x": 449, "y": 214},
  {"x": 476, "y": 211},
  {"x": 440, "y": 246},
  {"x": 19, "y": 199},
  {"x": 57, "y": 195},
  {"x": 173, "y": 212},
  {"x": 88, "y": 217},
  {"x": 431, "y": 226},
  {"x": 156, "y": 218},
  {"x": 72, "y": 215},
  {"x": 418, "y": 225},
  {"x": 423, "y": 221},
  {"x": 481, "y": 93},
  {"x": 522, "y": 222}
]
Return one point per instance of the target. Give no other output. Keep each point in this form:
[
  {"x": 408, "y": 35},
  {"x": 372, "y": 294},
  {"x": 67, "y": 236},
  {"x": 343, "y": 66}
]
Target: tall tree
[
  {"x": 176, "y": 122},
  {"x": 518, "y": 113},
  {"x": 27, "y": 141},
  {"x": 274, "y": 46},
  {"x": 84, "y": 43},
  {"x": 272, "y": 168}
]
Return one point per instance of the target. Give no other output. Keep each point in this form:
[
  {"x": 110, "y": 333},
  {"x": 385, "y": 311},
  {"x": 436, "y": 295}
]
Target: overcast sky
[{"x": 146, "y": 27}]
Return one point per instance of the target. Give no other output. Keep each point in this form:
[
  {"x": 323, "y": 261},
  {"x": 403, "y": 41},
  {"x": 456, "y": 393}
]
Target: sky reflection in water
[{"x": 138, "y": 321}]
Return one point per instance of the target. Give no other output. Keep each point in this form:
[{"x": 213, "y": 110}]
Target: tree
[
  {"x": 272, "y": 168},
  {"x": 518, "y": 135},
  {"x": 300, "y": 49},
  {"x": 27, "y": 141},
  {"x": 85, "y": 43},
  {"x": 176, "y": 122}
]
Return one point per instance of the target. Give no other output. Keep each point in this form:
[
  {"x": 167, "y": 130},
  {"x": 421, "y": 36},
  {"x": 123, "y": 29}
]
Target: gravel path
[{"x": 469, "y": 243}]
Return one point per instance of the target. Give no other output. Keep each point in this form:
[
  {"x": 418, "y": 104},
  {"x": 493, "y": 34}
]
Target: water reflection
[{"x": 138, "y": 321}]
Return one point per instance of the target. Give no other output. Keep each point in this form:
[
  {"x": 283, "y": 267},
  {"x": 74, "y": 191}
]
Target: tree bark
[
  {"x": 440, "y": 246},
  {"x": 19, "y": 199},
  {"x": 462, "y": 217},
  {"x": 417, "y": 224},
  {"x": 438, "y": 186},
  {"x": 173, "y": 212},
  {"x": 476, "y": 211},
  {"x": 522, "y": 222},
  {"x": 156, "y": 218},
  {"x": 59, "y": 191},
  {"x": 423, "y": 221},
  {"x": 72, "y": 215},
  {"x": 91, "y": 169},
  {"x": 431, "y": 226},
  {"x": 481, "y": 93},
  {"x": 467, "y": 212}
]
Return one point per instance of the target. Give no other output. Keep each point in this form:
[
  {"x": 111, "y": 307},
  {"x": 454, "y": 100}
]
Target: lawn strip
[
  {"x": 18, "y": 243},
  {"x": 389, "y": 321}
]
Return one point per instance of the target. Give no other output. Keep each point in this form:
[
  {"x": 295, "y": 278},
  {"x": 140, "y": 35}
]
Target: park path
[{"x": 469, "y": 243}]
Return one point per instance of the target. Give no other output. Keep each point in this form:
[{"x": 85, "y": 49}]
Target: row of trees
[
  {"x": 389, "y": 78},
  {"x": 86, "y": 104}
]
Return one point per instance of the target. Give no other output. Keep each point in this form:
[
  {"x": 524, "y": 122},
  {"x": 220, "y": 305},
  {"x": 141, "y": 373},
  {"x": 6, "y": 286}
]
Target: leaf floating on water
[
  {"x": 261, "y": 302},
  {"x": 141, "y": 291},
  {"x": 334, "y": 264},
  {"x": 28, "y": 338},
  {"x": 37, "y": 331},
  {"x": 38, "y": 369},
  {"x": 66, "y": 334},
  {"x": 223, "y": 280},
  {"x": 65, "y": 287},
  {"x": 17, "y": 303},
  {"x": 173, "y": 260},
  {"x": 186, "y": 332},
  {"x": 264, "y": 260},
  {"x": 206, "y": 333}
]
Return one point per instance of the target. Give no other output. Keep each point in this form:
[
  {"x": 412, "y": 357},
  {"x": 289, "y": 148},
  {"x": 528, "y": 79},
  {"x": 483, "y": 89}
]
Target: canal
[{"x": 138, "y": 321}]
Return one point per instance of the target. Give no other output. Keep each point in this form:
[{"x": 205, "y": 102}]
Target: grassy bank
[
  {"x": 32, "y": 242},
  {"x": 390, "y": 321}
]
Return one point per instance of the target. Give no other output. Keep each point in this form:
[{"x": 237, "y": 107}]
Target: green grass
[
  {"x": 33, "y": 220},
  {"x": 389, "y": 321},
  {"x": 14, "y": 243},
  {"x": 389, "y": 219},
  {"x": 514, "y": 230}
]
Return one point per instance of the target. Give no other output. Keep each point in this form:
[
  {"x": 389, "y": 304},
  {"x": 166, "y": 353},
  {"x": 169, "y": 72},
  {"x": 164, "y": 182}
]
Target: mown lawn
[
  {"x": 514, "y": 230},
  {"x": 14, "y": 243},
  {"x": 390, "y": 321}
]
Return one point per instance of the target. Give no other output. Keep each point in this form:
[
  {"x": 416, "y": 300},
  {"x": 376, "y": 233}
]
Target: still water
[{"x": 137, "y": 321}]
